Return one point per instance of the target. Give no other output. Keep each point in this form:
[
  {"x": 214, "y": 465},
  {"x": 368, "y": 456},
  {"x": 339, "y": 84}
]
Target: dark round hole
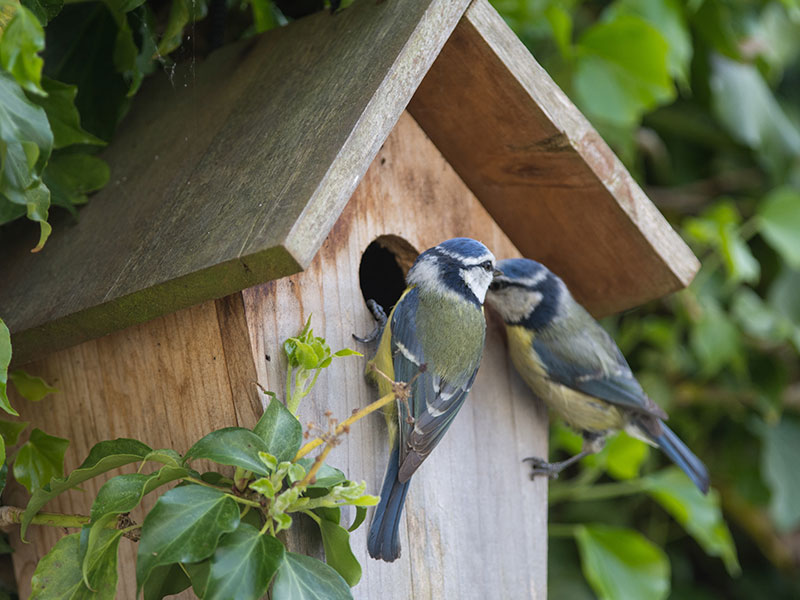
[{"x": 382, "y": 273}]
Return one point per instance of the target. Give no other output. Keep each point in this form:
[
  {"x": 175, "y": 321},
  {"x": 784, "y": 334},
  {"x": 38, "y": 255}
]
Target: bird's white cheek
[{"x": 477, "y": 281}]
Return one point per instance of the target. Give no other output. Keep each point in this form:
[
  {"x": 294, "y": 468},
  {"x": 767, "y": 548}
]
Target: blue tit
[
  {"x": 433, "y": 340},
  {"x": 571, "y": 363}
]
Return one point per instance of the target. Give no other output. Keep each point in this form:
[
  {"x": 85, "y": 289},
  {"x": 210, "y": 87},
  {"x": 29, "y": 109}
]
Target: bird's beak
[{"x": 497, "y": 273}]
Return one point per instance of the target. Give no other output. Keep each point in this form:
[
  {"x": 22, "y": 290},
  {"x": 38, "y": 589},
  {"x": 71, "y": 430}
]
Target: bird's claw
[
  {"x": 380, "y": 316},
  {"x": 540, "y": 467}
]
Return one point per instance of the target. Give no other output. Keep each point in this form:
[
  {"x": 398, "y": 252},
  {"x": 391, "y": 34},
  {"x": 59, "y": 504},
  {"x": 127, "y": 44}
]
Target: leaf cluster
[
  {"x": 215, "y": 533},
  {"x": 700, "y": 100}
]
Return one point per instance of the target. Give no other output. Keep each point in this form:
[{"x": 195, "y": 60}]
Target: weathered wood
[
  {"x": 543, "y": 172},
  {"x": 474, "y": 525},
  {"x": 166, "y": 382},
  {"x": 226, "y": 175}
]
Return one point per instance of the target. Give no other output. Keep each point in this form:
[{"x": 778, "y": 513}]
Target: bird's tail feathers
[
  {"x": 680, "y": 454},
  {"x": 384, "y": 536}
]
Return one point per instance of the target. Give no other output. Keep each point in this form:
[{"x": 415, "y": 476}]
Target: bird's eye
[
  {"x": 494, "y": 286},
  {"x": 487, "y": 265}
]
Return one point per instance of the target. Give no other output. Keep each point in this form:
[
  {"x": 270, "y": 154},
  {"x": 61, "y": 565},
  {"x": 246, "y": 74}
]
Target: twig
[{"x": 12, "y": 515}]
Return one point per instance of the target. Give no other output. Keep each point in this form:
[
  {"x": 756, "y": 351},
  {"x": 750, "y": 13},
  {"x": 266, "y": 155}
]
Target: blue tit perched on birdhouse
[
  {"x": 433, "y": 340},
  {"x": 571, "y": 363}
]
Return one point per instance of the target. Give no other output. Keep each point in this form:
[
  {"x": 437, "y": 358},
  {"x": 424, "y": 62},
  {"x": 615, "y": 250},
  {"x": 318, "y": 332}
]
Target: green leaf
[
  {"x": 742, "y": 100},
  {"x": 361, "y": 514},
  {"x": 165, "y": 581},
  {"x": 184, "y": 526},
  {"x": 70, "y": 177},
  {"x": 304, "y": 578},
  {"x": 99, "y": 549},
  {"x": 699, "y": 514},
  {"x": 624, "y": 456},
  {"x": 65, "y": 122},
  {"x": 32, "y": 388},
  {"x": 243, "y": 565},
  {"x": 233, "y": 446},
  {"x": 44, "y": 9},
  {"x": 347, "y": 352},
  {"x": 714, "y": 339},
  {"x": 667, "y": 17},
  {"x": 327, "y": 476},
  {"x": 165, "y": 456},
  {"x": 58, "y": 574},
  {"x": 305, "y": 355},
  {"x": 10, "y": 431},
  {"x": 280, "y": 430},
  {"x": 779, "y": 217},
  {"x": 21, "y": 40},
  {"x": 25, "y": 146},
  {"x": 39, "y": 460},
  {"x": 180, "y": 14},
  {"x": 621, "y": 564},
  {"x": 779, "y": 466},
  {"x": 103, "y": 457},
  {"x": 5, "y": 359},
  {"x": 338, "y": 553},
  {"x": 758, "y": 318},
  {"x": 622, "y": 70},
  {"x": 123, "y": 493}
]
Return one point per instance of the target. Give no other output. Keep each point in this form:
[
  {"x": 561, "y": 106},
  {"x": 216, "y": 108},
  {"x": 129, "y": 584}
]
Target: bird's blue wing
[
  {"x": 434, "y": 401},
  {"x": 588, "y": 360}
]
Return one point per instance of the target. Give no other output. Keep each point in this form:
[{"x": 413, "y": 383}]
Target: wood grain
[
  {"x": 226, "y": 174},
  {"x": 543, "y": 172},
  {"x": 167, "y": 382},
  {"x": 475, "y": 526}
]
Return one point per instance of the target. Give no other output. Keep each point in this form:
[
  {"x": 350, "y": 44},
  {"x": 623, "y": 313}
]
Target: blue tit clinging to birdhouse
[
  {"x": 434, "y": 340},
  {"x": 571, "y": 363}
]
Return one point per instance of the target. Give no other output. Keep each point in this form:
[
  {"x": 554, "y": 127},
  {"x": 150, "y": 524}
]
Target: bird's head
[
  {"x": 527, "y": 293},
  {"x": 459, "y": 267}
]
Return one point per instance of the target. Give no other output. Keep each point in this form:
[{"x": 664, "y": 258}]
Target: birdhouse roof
[{"x": 231, "y": 171}]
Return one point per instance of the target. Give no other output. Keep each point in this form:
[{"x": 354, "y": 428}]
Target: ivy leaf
[
  {"x": 361, "y": 514},
  {"x": 58, "y": 574},
  {"x": 5, "y": 360},
  {"x": 304, "y": 578},
  {"x": 280, "y": 430},
  {"x": 10, "y": 431},
  {"x": 123, "y": 493},
  {"x": 32, "y": 388},
  {"x": 44, "y": 9},
  {"x": 65, "y": 121},
  {"x": 39, "y": 460},
  {"x": 25, "y": 146},
  {"x": 102, "y": 457},
  {"x": 622, "y": 70},
  {"x": 180, "y": 14},
  {"x": 326, "y": 477},
  {"x": 21, "y": 40},
  {"x": 165, "y": 581},
  {"x": 338, "y": 554},
  {"x": 70, "y": 177},
  {"x": 243, "y": 565},
  {"x": 184, "y": 526},
  {"x": 98, "y": 549},
  {"x": 233, "y": 446},
  {"x": 347, "y": 352},
  {"x": 699, "y": 514},
  {"x": 714, "y": 339},
  {"x": 620, "y": 563},
  {"x": 779, "y": 216},
  {"x": 624, "y": 456},
  {"x": 779, "y": 465}
]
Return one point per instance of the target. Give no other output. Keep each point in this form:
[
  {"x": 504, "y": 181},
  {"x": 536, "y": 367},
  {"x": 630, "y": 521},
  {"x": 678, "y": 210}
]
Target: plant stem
[
  {"x": 317, "y": 464},
  {"x": 11, "y": 514},
  {"x": 289, "y": 387},
  {"x": 344, "y": 425},
  {"x": 603, "y": 491}
]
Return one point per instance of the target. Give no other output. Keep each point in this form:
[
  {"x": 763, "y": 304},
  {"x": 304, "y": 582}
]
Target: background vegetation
[{"x": 701, "y": 100}]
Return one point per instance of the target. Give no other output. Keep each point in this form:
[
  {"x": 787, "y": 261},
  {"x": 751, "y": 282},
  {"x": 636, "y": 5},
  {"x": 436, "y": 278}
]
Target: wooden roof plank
[
  {"x": 228, "y": 174},
  {"x": 543, "y": 172}
]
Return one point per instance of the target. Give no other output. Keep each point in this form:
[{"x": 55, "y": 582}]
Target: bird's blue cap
[
  {"x": 466, "y": 247},
  {"x": 520, "y": 268}
]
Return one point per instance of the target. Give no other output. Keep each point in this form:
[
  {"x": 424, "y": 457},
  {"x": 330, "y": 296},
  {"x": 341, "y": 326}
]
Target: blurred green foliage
[{"x": 701, "y": 100}]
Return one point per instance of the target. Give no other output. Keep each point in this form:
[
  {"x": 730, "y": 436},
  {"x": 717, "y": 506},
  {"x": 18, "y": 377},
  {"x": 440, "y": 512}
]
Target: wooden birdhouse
[{"x": 297, "y": 174}]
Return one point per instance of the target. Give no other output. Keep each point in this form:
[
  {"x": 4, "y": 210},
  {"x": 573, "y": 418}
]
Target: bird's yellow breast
[{"x": 579, "y": 410}]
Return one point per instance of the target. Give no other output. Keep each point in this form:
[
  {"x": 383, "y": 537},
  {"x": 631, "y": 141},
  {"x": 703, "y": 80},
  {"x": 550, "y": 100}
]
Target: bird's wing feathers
[
  {"x": 588, "y": 360},
  {"x": 433, "y": 403}
]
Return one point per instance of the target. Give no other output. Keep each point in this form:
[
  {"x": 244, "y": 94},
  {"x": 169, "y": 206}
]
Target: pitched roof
[{"x": 232, "y": 172}]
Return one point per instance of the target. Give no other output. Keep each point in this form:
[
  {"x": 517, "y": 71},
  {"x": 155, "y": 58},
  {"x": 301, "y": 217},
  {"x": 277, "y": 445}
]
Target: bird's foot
[
  {"x": 540, "y": 467},
  {"x": 380, "y": 316}
]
